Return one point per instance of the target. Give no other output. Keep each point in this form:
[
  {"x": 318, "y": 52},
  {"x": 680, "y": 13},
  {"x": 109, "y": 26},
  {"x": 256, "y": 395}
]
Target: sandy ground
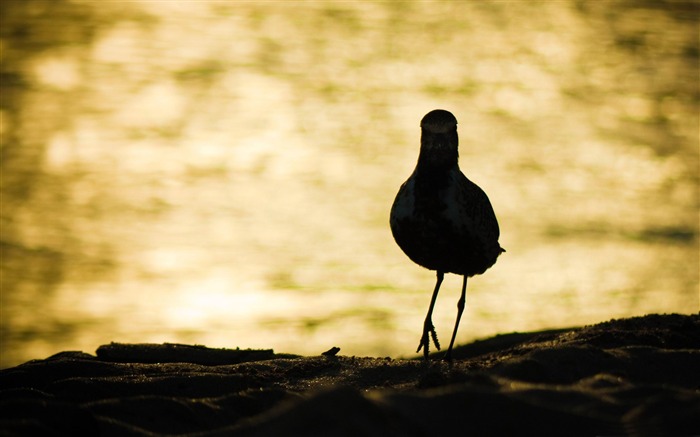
[{"x": 635, "y": 376}]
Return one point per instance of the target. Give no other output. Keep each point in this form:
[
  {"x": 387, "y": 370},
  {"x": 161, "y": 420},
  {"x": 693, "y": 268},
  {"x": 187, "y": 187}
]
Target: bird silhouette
[{"x": 442, "y": 220}]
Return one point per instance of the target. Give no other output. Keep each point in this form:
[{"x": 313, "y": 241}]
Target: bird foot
[{"x": 428, "y": 333}]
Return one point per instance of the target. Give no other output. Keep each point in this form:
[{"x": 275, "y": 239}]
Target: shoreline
[{"x": 635, "y": 376}]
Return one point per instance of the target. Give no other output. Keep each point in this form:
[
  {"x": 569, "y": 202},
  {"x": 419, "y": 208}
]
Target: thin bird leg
[
  {"x": 428, "y": 328},
  {"x": 460, "y": 309}
]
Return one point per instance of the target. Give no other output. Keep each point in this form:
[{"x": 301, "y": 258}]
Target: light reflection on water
[{"x": 221, "y": 173}]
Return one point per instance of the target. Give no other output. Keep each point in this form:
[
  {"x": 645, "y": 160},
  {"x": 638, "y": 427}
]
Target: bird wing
[{"x": 475, "y": 205}]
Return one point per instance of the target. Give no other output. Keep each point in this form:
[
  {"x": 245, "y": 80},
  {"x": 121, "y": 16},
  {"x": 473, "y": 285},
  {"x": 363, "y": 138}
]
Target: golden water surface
[{"x": 221, "y": 172}]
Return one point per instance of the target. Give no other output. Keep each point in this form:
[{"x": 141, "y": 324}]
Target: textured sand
[{"x": 635, "y": 376}]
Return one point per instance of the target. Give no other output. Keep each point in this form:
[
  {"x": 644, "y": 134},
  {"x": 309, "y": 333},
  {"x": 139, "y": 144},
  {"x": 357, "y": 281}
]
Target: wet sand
[{"x": 636, "y": 376}]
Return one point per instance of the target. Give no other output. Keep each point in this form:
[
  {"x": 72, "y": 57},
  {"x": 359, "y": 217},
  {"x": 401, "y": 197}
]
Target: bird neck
[
  {"x": 432, "y": 177},
  {"x": 438, "y": 153}
]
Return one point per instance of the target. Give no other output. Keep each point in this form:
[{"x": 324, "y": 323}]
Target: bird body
[
  {"x": 446, "y": 229},
  {"x": 442, "y": 220}
]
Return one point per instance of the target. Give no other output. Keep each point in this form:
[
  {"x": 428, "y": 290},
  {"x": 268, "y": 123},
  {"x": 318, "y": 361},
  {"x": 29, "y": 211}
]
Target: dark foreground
[{"x": 638, "y": 376}]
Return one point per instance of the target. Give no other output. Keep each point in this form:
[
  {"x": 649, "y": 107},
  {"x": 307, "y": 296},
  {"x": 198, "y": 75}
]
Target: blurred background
[{"x": 221, "y": 173}]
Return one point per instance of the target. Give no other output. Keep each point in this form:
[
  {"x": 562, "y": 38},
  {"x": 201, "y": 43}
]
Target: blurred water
[{"x": 221, "y": 173}]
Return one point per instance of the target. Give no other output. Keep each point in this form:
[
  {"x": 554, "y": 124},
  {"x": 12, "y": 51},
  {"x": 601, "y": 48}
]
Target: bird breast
[{"x": 445, "y": 204}]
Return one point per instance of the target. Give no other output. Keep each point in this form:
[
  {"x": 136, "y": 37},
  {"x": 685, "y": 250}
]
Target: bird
[{"x": 443, "y": 221}]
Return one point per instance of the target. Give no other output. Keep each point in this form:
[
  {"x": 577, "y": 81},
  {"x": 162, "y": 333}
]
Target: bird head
[{"x": 439, "y": 139}]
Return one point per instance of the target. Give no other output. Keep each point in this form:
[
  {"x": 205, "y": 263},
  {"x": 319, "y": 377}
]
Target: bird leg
[
  {"x": 460, "y": 309},
  {"x": 428, "y": 328}
]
